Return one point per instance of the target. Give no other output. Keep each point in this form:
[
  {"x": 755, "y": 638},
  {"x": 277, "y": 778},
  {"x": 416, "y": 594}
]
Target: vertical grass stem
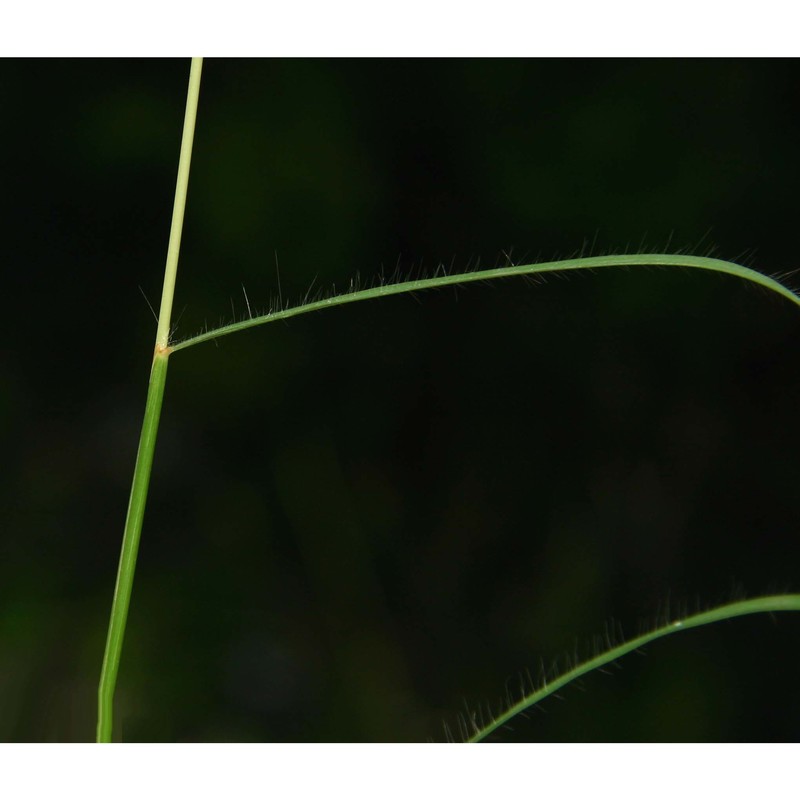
[
  {"x": 147, "y": 440},
  {"x": 179, "y": 206}
]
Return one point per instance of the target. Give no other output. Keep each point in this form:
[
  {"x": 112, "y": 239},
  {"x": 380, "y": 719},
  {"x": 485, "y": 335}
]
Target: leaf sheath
[{"x": 130, "y": 547}]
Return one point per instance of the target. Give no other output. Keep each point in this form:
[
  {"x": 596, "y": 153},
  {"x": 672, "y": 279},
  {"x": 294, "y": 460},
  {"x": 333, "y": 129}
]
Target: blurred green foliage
[{"x": 364, "y": 518}]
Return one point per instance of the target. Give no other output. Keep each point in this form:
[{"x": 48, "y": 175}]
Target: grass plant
[{"x": 477, "y": 726}]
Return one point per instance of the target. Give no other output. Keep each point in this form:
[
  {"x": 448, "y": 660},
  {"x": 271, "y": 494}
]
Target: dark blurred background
[{"x": 363, "y": 521}]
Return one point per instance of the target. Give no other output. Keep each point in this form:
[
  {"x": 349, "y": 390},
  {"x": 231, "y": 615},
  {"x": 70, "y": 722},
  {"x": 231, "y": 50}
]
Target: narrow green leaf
[
  {"x": 597, "y": 262},
  {"x": 758, "y": 605}
]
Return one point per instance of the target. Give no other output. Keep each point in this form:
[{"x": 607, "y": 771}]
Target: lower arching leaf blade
[{"x": 758, "y": 605}]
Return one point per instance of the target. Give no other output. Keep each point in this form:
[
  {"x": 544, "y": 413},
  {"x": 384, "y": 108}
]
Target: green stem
[
  {"x": 147, "y": 440},
  {"x": 130, "y": 547},
  {"x": 179, "y": 206}
]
